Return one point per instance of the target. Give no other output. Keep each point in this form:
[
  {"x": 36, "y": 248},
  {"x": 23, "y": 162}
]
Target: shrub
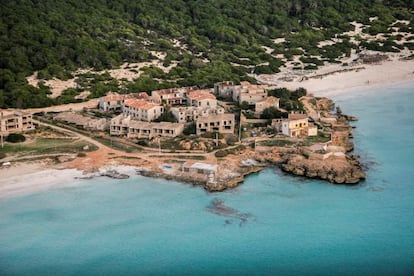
[
  {"x": 15, "y": 138},
  {"x": 221, "y": 153}
]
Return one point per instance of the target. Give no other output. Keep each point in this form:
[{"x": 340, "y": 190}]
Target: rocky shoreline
[{"x": 331, "y": 160}]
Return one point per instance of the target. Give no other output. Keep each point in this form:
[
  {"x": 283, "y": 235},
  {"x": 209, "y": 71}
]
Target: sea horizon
[{"x": 277, "y": 223}]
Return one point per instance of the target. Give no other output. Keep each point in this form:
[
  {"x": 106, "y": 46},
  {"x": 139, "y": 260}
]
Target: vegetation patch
[{"x": 15, "y": 138}]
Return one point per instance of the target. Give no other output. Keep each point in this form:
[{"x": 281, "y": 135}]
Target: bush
[
  {"x": 15, "y": 138},
  {"x": 2, "y": 155},
  {"x": 221, "y": 153}
]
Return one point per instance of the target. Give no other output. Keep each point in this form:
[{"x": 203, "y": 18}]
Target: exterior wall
[
  {"x": 312, "y": 131},
  {"x": 223, "y": 123},
  {"x": 252, "y": 98},
  {"x": 203, "y": 102},
  {"x": 119, "y": 125},
  {"x": 112, "y": 105},
  {"x": 296, "y": 128},
  {"x": 224, "y": 89}
]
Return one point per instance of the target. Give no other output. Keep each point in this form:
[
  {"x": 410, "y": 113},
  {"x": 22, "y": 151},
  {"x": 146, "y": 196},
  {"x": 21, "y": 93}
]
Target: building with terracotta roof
[
  {"x": 114, "y": 102},
  {"x": 171, "y": 96},
  {"x": 14, "y": 121},
  {"x": 142, "y": 110},
  {"x": 201, "y": 98},
  {"x": 221, "y": 123}
]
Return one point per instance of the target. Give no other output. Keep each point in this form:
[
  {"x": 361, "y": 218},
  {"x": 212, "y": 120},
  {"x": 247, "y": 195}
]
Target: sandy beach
[
  {"x": 26, "y": 178},
  {"x": 327, "y": 81}
]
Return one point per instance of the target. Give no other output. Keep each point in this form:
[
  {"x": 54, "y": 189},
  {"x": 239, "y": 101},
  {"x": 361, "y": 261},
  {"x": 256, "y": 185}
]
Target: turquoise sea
[{"x": 275, "y": 224}]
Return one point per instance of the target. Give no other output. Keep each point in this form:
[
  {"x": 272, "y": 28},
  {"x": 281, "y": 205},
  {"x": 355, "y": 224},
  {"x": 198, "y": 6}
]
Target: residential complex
[
  {"x": 12, "y": 121},
  {"x": 114, "y": 102},
  {"x": 191, "y": 113},
  {"x": 172, "y": 96},
  {"x": 245, "y": 92},
  {"x": 123, "y": 125},
  {"x": 222, "y": 123},
  {"x": 99, "y": 124}
]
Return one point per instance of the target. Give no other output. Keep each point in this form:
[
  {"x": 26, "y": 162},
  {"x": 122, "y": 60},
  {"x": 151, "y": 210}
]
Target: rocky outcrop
[{"x": 339, "y": 170}]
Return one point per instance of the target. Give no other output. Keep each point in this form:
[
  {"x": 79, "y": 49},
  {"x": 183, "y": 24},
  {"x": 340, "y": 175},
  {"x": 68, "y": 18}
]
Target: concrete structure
[
  {"x": 142, "y": 110},
  {"x": 172, "y": 96},
  {"x": 85, "y": 122},
  {"x": 296, "y": 125},
  {"x": 222, "y": 123},
  {"x": 268, "y": 102},
  {"x": 201, "y": 98},
  {"x": 13, "y": 121},
  {"x": 125, "y": 126},
  {"x": 245, "y": 92},
  {"x": 224, "y": 89},
  {"x": 200, "y": 168},
  {"x": 192, "y": 113}
]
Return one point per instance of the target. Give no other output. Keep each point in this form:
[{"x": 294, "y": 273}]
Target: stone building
[
  {"x": 13, "y": 121},
  {"x": 192, "y": 113},
  {"x": 82, "y": 121},
  {"x": 125, "y": 126},
  {"x": 222, "y": 123},
  {"x": 245, "y": 92}
]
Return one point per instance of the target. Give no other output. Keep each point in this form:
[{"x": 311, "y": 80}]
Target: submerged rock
[{"x": 218, "y": 207}]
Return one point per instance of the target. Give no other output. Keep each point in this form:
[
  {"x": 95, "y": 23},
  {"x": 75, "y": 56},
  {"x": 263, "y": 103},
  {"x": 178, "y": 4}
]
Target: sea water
[{"x": 279, "y": 224}]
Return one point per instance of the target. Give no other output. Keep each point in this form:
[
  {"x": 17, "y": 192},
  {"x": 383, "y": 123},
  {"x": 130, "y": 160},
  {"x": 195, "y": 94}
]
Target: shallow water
[{"x": 292, "y": 225}]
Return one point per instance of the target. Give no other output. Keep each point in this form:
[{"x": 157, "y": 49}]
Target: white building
[
  {"x": 201, "y": 98},
  {"x": 142, "y": 110}
]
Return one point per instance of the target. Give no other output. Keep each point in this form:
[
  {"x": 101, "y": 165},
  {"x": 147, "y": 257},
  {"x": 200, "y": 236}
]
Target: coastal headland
[{"x": 327, "y": 156}]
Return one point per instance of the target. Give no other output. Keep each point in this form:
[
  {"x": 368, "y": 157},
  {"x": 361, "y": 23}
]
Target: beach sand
[
  {"x": 365, "y": 76},
  {"x": 26, "y": 178}
]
